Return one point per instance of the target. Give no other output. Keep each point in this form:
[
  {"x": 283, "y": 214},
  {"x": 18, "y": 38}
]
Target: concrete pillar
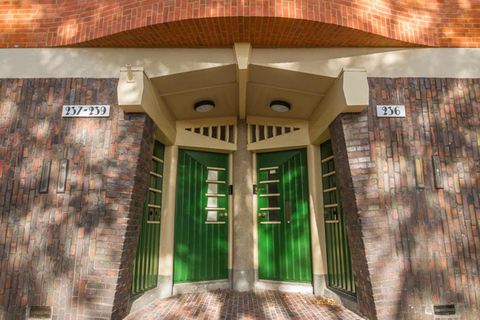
[
  {"x": 165, "y": 277},
  {"x": 243, "y": 224},
  {"x": 317, "y": 227}
]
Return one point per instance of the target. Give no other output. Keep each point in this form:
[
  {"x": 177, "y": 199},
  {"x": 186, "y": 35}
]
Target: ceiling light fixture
[
  {"x": 204, "y": 106},
  {"x": 280, "y": 106}
]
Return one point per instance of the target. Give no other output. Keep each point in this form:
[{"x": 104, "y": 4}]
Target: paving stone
[{"x": 227, "y": 304}]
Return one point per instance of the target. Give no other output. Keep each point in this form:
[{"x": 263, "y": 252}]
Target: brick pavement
[{"x": 226, "y": 304}]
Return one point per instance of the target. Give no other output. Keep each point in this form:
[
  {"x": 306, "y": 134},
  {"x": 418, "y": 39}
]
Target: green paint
[
  {"x": 283, "y": 244},
  {"x": 339, "y": 262},
  {"x": 201, "y": 240},
  {"x": 145, "y": 268}
]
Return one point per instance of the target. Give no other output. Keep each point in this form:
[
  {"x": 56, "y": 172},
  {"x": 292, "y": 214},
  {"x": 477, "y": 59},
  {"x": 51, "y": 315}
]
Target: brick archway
[{"x": 259, "y": 31}]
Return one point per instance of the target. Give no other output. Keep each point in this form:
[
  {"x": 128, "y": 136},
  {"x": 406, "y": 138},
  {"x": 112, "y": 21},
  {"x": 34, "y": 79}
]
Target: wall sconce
[
  {"x": 204, "y": 106},
  {"x": 280, "y": 106}
]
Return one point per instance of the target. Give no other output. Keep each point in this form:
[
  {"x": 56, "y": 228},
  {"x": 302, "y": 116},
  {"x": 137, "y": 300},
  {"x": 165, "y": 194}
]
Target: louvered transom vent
[
  {"x": 224, "y": 133},
  {"x": 260, "y": 132}
]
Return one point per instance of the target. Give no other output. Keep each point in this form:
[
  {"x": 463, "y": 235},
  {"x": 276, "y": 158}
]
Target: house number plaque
[
  {"x": 86, "y": 111},
  {"x": 391, "y": 111}
]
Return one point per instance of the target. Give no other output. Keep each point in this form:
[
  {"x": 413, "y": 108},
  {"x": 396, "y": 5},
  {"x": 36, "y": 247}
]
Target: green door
[
  {"x": 283, "y": 217},
  {"x": 339, "y": 262},
  {"x": 145, "y": 268},
  {"x": 201, "y": 218}
]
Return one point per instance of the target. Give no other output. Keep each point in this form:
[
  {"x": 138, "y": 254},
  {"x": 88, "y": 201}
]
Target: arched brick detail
[
  {"x": 260, "y": 32},
  {"x": 53, "y": 23}
]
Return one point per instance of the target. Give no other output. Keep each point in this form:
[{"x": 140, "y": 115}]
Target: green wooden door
[
  {"x": 145, "y": 268},
  {"x": 339, "y": 262},
  {"x": 201, "y": 220},
  {"x": 283, "y": 217}
]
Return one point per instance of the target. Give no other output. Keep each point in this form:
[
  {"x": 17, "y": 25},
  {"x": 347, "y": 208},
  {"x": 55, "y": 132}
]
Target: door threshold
[
  {"x": 284, "y": 286},
  {"x": 201, "y": 286}
]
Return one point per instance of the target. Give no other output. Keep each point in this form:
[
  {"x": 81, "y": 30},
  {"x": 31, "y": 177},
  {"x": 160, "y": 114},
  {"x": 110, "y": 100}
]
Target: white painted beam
[
  {"x": 379, "y": 62},
  {"x": 242, "y": 53},
  {"x": 140, "y": 96},
  {"x": 348, "y": 94},
  {"x": 105, "y": 62}
]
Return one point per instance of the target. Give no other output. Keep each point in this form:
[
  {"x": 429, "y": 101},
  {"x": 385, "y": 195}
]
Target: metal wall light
[
  {"x": 204, "y": 106},
  {"x": 280, "y": 106}
]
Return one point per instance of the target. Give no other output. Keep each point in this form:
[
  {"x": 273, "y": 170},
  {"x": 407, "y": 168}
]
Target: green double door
[
  {"x": 284, "y": 252},
  {"x": 201, "y": 218}
]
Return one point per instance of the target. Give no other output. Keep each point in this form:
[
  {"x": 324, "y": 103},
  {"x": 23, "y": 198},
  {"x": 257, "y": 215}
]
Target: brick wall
[
  {"x": 71, "y": 251},
  {"x": 52, "y": 23},
  {"x": 348, "y": 147},
  {"x": 421, "y": 245}
]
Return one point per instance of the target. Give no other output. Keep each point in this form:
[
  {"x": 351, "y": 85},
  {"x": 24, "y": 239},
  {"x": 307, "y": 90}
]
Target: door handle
[{"x": 287, "y": 211}]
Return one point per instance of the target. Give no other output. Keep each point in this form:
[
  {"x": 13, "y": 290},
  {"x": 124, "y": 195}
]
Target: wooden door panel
[
  {"x": 283, "y": 217},
  {"x": 201, "y": 218}
]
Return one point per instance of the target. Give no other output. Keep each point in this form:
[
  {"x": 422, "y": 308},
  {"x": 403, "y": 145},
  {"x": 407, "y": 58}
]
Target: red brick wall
[
  {"x": 421, "y": 246},
  {"x": 148, "y": 23},
  {"x": 72, "y": 251}
]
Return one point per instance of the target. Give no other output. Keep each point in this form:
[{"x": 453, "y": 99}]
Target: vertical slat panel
[
  {"x": 340, "y": 273},
  {"x": 145, "y": 271}
]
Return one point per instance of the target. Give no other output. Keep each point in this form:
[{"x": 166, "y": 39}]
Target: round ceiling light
[
  {"x": 204, "y": 106},
  {"x": 280, "y": 106}
]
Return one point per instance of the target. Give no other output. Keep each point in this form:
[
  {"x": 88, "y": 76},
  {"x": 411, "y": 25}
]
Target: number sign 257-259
[
  {"x": 391, "y": 111},
  {"x": 89, "y": 111}
]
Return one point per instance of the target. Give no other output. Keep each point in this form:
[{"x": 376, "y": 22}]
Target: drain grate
[{"x": 445, "y": 310}]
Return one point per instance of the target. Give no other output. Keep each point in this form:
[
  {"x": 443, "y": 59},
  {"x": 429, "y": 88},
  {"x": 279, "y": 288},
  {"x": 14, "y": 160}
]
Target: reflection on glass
[
  {"x": 212, "y": 188},
  {"x": 212, "y": 202},
  {"x": 272, "y": 187},
  {"x": 274, "y": 215},
  {"x": 273, "y": 202},
  {"x": 212, "y": 175},
  {"x": 211, "y": 215}
]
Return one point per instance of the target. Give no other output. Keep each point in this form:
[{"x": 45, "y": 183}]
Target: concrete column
[
  {"x": 317, "y": 227},
  {"x": 165, "y": 277},
  {"x": 243, "y": 225}
]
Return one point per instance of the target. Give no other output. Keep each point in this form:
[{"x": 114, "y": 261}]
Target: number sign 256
[
  {"x": 391, "y": 111},
  {"x": 89, "y": 111}
]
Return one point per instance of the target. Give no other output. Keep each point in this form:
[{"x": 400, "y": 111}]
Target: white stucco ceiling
[{"x": 181, "y": 91}]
